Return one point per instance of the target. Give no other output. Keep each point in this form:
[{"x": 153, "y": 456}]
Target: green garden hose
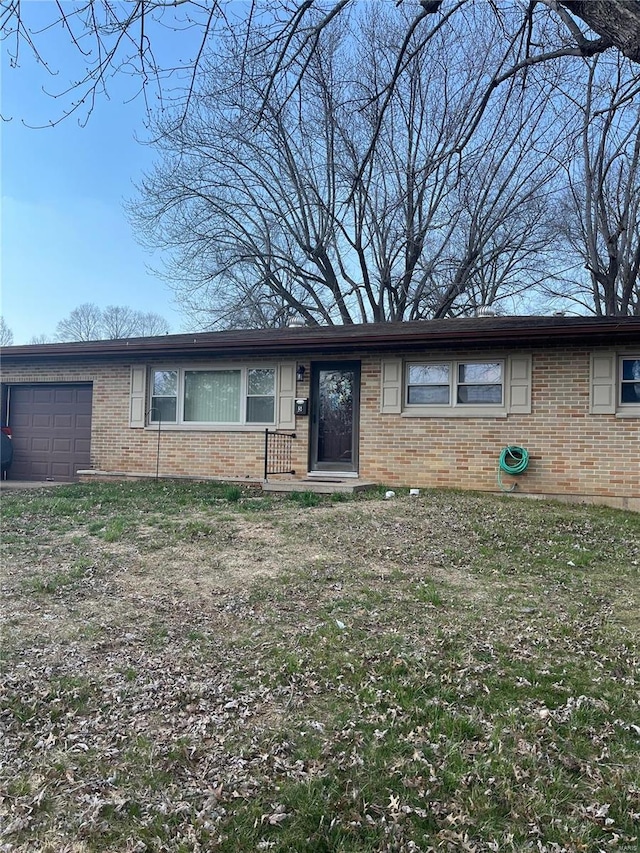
[{"x": 514, "y": 460}]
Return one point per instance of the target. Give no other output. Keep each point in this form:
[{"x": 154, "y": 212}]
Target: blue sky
[{"x": 65, "y": 238}]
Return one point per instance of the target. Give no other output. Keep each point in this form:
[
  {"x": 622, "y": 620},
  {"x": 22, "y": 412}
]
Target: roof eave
[{"x": 328, "y": 341}]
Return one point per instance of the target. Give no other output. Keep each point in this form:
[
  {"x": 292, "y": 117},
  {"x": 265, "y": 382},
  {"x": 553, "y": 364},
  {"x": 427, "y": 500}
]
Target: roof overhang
[{"x": 468, "y": 333}]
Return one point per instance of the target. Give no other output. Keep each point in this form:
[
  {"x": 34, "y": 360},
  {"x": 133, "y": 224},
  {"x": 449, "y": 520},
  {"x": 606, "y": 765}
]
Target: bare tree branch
[
  {"x": 601, "y": 214},
  {"x": 339, "y": 215},
  {"x": 115, "y": 39},
  {"x": 6, "y": 335}
]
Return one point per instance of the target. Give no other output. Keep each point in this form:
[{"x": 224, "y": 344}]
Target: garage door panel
[
  {"x": 41, "y": 421},
  {"x": 51, "y": 430},
  {"x": 19, "y": 420},
  {"x": 66, "y": 422},
  {"x": 38, "y": 470},
  {"x": 62, "y": 471}
]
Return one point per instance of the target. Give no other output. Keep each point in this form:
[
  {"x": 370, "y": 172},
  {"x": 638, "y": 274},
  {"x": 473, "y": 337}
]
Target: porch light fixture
[{"x": 300, "y": 372}]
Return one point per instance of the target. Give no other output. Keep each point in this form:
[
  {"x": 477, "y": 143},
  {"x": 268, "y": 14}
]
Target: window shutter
[
  {"x": 603, "y": 383},
  {"x": 519, "y": 387},
  {"x": 138, "y": 396},
  {"x": 391, "y": 388},
  {"x": 286, "y": 396}
]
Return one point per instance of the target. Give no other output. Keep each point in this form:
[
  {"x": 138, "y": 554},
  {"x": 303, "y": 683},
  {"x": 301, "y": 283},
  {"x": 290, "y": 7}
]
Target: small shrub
[{"x": 232, "y": 493}]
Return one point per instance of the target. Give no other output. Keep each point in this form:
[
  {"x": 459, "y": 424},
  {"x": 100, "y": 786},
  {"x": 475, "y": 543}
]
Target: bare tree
[
  {"x": 88, "y": 322},
  {"x": 41, "y": 339},
  {"x": 118, "y": 321},
  {"x": 336, "y": 213},
  {"x": 84, "y": 323},
  {"x": 6, "y": 335},
  {"x": 114, "y": 38},
  {"x": 601, "y": 212},
  {"x": 148, "y": 324}
]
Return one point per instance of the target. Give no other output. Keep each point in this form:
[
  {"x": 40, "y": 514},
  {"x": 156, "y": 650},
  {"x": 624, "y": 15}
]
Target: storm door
[{"x": 335, "y": 400}]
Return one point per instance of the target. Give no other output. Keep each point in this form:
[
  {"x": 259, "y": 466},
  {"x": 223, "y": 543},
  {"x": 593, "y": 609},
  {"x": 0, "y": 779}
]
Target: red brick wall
[{"x": 572, "y": 452}]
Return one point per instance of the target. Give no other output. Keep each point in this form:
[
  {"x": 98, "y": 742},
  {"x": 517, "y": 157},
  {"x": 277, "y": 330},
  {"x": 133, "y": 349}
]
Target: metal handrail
[{"x": 277, "y": 452}]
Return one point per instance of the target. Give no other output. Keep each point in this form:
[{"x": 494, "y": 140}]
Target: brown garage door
[{"x": 51, "y": 426}]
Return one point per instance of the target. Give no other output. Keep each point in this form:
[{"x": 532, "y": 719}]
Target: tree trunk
[{"x": 617, "y": 21}]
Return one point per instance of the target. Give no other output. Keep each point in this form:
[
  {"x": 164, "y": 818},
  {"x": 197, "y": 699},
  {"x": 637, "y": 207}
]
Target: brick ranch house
[{"x": 422, "y": 404}]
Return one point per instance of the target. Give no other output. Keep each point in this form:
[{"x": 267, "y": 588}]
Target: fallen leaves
[{"x": 335, "y": 705}]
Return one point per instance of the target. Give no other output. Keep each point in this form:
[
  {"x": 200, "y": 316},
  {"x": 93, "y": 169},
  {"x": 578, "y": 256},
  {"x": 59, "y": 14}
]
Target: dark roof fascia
[{"x": 476, "y": 333}]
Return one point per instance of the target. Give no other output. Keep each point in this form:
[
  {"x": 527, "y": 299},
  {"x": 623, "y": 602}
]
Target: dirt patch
[{"x": 253, "y": 551}]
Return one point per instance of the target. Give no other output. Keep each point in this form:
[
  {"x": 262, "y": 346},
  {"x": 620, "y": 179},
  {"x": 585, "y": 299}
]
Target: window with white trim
[
  {"x": 216, "y": 396},
  {"x": 164, "y": 396},
  {"x": 260, "y": 395},
  {"x": 428, "y": 384},
  {"x": 455, "y": 383},
  {"x": 630, "y": 381}
]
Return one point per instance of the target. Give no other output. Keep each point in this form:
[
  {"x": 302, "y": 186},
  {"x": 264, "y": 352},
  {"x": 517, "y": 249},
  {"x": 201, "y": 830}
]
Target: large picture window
[
  {"x": 212, "y": 396},
  {"x": 207, "y": 396},
  {"x": 458, "y": 383}
]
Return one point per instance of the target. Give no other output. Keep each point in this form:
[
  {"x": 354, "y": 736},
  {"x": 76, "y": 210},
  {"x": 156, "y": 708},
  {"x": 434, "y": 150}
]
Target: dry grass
[{"x": 184, "y": 672}]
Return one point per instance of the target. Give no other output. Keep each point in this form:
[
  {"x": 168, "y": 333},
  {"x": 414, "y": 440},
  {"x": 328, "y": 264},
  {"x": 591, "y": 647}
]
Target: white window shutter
[
  {"x": 286, "y": 396},
  {"x": 391, "y": 386},
  {"x": 603, "y": 383},
  {"x": 138, "y": 396},
  {"x": 519, "y": 385}
]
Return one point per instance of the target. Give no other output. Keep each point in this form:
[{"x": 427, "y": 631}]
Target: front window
[
  {"x": 164, "y": 397},
  {"x": 480, "y": 383},
  {"x": 457, "y": 383},
  {"x": 226, "y": 396},
  {"x": 212, "y": 396},
  {"x": 260, "y": 395},
  {"x": 429, "y": 384},
  {"x": 630, "y": 382}
]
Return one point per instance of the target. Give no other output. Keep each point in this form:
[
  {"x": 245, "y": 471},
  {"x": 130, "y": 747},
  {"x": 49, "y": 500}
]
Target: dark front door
[{"x": 335, "y": 399}]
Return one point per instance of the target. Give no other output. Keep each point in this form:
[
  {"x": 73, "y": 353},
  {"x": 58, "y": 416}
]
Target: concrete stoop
[{"x": 319, "y": 485}]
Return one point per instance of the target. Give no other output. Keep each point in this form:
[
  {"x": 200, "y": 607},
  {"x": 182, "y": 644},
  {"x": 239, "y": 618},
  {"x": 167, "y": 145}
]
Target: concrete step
[{"x": 319, "y": 485}]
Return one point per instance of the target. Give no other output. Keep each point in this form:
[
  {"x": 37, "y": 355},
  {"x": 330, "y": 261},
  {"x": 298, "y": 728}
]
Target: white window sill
[
  {"x": 454, "y": 412},
  {"x": 628, "y": 413},
  {"x": 170, "y": 427}
]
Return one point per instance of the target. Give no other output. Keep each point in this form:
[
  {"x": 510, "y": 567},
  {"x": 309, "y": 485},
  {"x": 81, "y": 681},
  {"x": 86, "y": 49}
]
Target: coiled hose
[{"x": 514, "y": 460}]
